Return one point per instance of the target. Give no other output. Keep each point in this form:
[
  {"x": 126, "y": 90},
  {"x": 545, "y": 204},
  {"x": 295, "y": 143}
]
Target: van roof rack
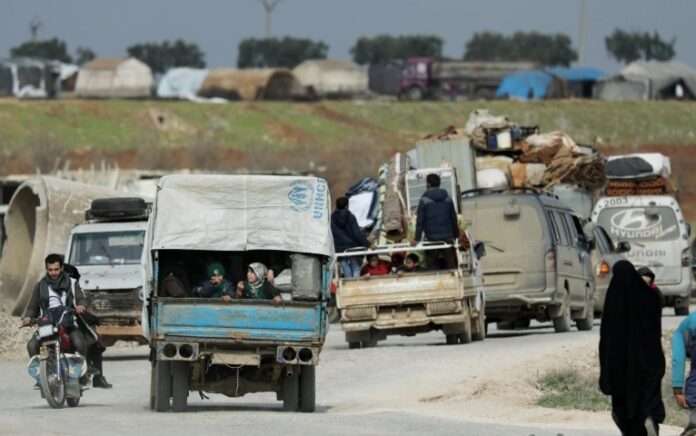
[{"x": 511, "y": 189}]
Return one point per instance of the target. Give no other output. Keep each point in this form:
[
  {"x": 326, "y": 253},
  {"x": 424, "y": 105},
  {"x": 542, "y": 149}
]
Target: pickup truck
[
  {"x": 453, "y": 301},
  {"x": 243, "y": 345}
]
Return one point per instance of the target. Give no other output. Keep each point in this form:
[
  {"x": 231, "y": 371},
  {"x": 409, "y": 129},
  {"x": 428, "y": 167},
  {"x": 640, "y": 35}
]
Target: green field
[{"x": 121, "y": 125}]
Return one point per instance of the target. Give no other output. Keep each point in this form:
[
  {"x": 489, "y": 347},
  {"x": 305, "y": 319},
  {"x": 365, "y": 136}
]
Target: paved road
[{"x": 411, "y": 385}]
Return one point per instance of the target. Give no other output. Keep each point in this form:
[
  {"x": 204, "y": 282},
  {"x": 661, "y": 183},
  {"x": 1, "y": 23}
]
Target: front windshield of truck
[
  {"x": 632, "y": 223},
  {"x": 112, "y": 248}
]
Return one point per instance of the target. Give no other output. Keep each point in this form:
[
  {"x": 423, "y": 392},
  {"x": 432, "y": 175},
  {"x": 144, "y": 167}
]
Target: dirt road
[{"x": 412, "y": 385}]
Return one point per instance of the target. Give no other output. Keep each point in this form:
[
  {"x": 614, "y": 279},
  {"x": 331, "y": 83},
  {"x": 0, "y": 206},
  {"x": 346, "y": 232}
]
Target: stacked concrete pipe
[{"x": 41, "y": 214}]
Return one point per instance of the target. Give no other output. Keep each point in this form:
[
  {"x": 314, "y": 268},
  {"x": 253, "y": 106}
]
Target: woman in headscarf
[
  {"x": 631, "y": 360},
  {"x": 257, "y": 286}
]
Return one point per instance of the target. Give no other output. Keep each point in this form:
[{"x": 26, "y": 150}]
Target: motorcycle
[{"x": 60, "y": 373}]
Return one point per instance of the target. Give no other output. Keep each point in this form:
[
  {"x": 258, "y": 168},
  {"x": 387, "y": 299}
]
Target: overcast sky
[{"x": 217, "y": 26}]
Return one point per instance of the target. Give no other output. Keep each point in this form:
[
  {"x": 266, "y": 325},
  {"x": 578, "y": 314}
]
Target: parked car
[
  {"x": 538, "y": 263},
  {"x": 605, "y": 255}
]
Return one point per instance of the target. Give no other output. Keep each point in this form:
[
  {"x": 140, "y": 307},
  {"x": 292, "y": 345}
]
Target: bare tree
[
  {"x": 34, "y": 26},
  {"x": 269, "y": 6}
]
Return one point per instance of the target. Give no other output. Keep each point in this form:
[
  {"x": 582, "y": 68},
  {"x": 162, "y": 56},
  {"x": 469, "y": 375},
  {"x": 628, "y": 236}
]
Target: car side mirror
[
  {"x": 623, "y": 247},
  {"x": 590, "y": 244},
  {"x": 480, "y": 250}
]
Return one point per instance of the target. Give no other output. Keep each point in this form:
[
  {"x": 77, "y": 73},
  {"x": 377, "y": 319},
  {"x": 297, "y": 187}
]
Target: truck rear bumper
[{"x": 395, "y": 324}]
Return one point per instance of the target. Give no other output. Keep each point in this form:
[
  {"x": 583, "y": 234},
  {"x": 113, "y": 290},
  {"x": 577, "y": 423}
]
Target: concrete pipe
[{"x": 40, "y": 216}]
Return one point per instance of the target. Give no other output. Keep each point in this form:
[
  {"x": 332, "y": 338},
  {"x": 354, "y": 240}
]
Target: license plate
[{"x": 45, "y": 331}]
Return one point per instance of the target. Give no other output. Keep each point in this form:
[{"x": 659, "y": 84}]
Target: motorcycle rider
[{"x": 52, "y": 294}]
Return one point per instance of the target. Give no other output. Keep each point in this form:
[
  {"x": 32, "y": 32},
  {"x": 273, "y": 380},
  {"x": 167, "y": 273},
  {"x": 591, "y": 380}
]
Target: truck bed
[{"x": 239, "y": 321}]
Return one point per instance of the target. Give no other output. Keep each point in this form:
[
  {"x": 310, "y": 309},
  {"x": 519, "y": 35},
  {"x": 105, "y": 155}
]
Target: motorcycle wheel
[{"x": 52, "y": 389}]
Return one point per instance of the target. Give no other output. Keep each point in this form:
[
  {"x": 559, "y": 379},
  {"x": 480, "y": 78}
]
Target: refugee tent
[
  {"x": 579, "y": 81},
  {"x": 68, "y": 76},
  {"x": 29, "y": 78},
  {"x": 530, "y": 85},
  {"x": 649, "y": 80},
  {"x": 331, "y": 78},
  {"x": 184, "y": 83},
  {"x": 114, "y": 78},
  {"x": 251, "y": 84}
]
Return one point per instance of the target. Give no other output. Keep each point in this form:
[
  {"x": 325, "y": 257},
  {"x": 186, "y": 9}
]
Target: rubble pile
[{"x": 14, "y": 343}]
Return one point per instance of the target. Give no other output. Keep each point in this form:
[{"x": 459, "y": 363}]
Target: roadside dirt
[{"x": 14, "y": 340}]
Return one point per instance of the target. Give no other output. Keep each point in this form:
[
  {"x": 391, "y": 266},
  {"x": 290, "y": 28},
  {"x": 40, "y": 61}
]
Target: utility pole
[
  {"x": 582, "y": 32},
  {"x": 269, "y": 6}
]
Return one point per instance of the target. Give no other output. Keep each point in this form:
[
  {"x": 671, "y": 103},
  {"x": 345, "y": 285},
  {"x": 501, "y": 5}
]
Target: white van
[{"x": 659, "y": 236}]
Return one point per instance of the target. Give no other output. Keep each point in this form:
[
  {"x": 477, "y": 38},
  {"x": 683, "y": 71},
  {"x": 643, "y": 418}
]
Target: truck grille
[{"x": 111, "y": 301}]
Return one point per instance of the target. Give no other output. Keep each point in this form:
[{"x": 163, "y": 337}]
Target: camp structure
[
  {"x": 328, "y": 78},
  {"x": 183, "y": 83},
  {"x": 114, "y": 78},
  {"x": 579, "y": 82},
  {"x": 530, "y": 85},
  {"x": 251, "y": 84},
  {"x": 29, "y": 78},
  {"x": 648, "y": 81}
]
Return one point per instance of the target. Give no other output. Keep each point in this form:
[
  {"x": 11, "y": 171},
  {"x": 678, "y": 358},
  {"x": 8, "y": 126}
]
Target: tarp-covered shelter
[
  {"x": 114, "y": 78},
  {"x": 29, "y": 78},
  {"x": 251, "y": 84},
  {"x": 530, "y": 85},
  {"x": 649, "y": 80},
  {"x": 579, "y": 82},
  {"x": 331, "y": 78},
  {"x": 184, "y": 83}
]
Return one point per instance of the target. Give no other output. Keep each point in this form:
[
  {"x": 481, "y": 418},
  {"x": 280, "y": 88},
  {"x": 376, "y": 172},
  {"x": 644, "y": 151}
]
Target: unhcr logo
[{"x": 300, "y": 195}]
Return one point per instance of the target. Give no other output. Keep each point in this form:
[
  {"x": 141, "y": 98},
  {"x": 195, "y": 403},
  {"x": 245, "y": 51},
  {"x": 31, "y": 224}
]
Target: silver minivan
[{"x": 537, "y": 264}]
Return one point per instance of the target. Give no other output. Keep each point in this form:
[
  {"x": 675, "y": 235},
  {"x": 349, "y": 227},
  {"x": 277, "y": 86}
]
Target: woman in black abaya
[{"x": 631, "y": 360}]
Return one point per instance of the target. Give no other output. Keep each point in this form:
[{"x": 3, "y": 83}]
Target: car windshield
[
  {"x": 112, "y": 248},
  {"x": 634, "y": 224}
]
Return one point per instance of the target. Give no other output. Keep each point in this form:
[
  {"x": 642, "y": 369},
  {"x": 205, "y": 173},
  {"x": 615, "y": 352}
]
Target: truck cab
[
  {"x": 107, "y": 251},
  {"x": 237, "y": 346}
]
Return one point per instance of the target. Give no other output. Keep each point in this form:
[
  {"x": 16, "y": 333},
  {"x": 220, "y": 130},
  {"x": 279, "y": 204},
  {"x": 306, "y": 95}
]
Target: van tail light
[
  {"x": 551, "y": 260},
  {"x": 603, "y": 269},
  {"x": 686, "y": 257}
]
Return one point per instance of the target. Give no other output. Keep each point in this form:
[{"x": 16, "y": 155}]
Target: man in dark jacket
[
  {"x": 437, "y": 220},
  {"x": 347, "y": 234}
]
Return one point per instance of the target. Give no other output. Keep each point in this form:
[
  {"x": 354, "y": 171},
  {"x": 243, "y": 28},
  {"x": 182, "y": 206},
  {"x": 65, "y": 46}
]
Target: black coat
[
  {"x": 436, "y": 216},
  {"x": 631, "y": 360},
  {"x": 346, "y": 232}
]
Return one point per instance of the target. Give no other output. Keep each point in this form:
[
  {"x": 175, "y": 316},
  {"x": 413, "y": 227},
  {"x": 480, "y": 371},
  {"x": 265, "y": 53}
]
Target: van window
[
  {"x": 571, "y": 228},
  {"x": 633, "y": 224},
  {"x": 562, "y": 227},
  {"x": 554, "y": 228},
  {"x": 490, "y": 225}
]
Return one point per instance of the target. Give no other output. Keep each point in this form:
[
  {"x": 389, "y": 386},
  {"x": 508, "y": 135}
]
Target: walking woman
[{"x": 631, "y": 360}]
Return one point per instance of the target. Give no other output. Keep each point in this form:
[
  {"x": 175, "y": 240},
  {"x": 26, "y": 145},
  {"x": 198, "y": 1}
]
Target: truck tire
[
  {"x": 163, "y": 381},
  {"x": 452, "y": 339},
  {"x": 465, "y": 336},
  {"x": 180, "y": 386},
  {"x": 308, "y": 389},
  {"x": 478, "y": 332},
  {"x": 291, "y": 390},
  {"x": 561, "y": 324},
  {"x": 682, "y": 310},
  {"x": 587, "y": 323},
  {"x": 415, "y": 93}
]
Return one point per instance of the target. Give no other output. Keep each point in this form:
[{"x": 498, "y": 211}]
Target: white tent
[
  {"x": 649, "y": 80},
  {"x": 125, "y": 78},
  {"x": 332, "y": 78},
  {"x": 181, "y": 83}
]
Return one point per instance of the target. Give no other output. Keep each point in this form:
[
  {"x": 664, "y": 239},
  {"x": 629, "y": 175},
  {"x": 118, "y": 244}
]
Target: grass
[{"x": 573, "y": 389}]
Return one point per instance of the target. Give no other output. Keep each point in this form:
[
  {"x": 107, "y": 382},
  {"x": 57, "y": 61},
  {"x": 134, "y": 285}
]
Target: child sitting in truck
[
  {"x": 257, "y": 285},
  {"x": 216, "y": 286},
  {"x": 375, "y": 267},
  {"x": 410, "y": 265}
]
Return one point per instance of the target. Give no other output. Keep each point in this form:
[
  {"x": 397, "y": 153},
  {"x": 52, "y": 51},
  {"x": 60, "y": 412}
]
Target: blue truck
[{"x": 239, "y": 346}]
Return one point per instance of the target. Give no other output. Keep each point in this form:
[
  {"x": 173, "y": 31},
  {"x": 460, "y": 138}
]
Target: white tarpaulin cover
[
  {"x": 181, "y": 83},
  {"x": 241, "y": 213}
]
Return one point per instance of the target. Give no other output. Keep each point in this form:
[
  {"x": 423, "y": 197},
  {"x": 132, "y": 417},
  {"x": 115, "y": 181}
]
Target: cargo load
[{"x": 639, "y": 174}]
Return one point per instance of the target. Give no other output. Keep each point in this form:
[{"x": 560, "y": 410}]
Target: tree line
[{"x": 288, "y": 52}]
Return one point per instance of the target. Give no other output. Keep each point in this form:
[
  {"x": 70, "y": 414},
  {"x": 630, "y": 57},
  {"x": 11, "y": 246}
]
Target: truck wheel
[
  {"x": 163, "y": 383},
  {"x": 307, "y": 389},
  {"x": 180, "y": 386},
  {"x": 561, "y": 324},
  {"x": 291, "y": 394},
  {"x": 452, "y": 339},
  {"x": 414, "y": 93},
  {"x": 587, "y": 323},
  {"x": 682, "y": 310},
  {"x": 465, "y": 337},
  {"x": 479, "y": 327}
]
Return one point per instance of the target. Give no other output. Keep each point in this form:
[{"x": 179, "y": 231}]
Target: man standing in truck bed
[{"x": 437, "y": 219}]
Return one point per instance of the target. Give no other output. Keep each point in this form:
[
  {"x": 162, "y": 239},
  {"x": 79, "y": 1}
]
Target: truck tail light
[
  {"x": 686, "y": 257},
  {"x": 551, "y": 260},
  {"x": 603, "y": 269}
]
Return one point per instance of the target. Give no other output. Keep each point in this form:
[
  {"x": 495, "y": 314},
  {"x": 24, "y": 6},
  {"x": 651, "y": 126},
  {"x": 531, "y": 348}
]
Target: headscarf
[
  {"x": 260, "y": 270},
  {"x": 631, "y": 360}
]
